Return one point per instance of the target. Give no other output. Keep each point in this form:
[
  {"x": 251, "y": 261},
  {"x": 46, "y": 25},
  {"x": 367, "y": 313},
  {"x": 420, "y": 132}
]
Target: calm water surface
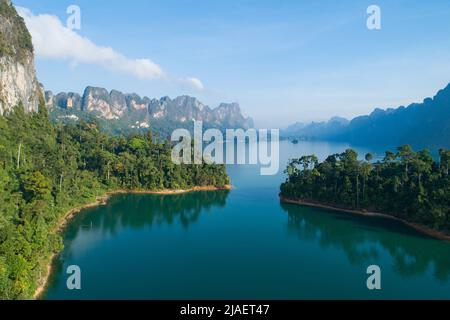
[{"x": 245, "y": 244}]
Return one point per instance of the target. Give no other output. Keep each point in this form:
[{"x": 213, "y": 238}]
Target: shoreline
[
  {"x": 440, "y": 235},
  {"x": 101, "y": 201}
]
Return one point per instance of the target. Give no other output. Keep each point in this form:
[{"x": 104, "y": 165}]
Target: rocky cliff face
[
  {"x": 142, "y": 112},
  {"x": 19, "y": 85},
  {"x": 18, "y": 82}
]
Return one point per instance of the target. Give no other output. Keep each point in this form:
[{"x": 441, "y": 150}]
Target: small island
[{"x": 405, "y": 185}]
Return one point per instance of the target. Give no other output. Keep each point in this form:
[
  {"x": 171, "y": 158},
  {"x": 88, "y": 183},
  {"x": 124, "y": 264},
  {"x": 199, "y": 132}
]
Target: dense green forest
[
  {"x": 406, "y": 184},
  {"x": 47, "y": 169}
]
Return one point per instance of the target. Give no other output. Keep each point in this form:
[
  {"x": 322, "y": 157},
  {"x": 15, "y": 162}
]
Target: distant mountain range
[
  {"x": 120, "y": 112},
  {"x": 316, "y": 129},
  {"x": 424, "y": 125}
]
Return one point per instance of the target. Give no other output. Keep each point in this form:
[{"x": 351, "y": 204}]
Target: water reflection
[
  {"x": 138, "y": 211},
  {"x": 368, "y": 240}
]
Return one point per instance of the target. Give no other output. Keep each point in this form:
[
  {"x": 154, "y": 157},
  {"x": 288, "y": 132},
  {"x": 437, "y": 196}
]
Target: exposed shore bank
[
  {"x": 418, "y": 227},
  {"x": 100, "y": 201}
]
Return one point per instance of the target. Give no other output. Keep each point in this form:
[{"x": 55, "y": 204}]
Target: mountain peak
[
  {"x": 419, "y": 124},
  {"x": 443, "y": 95},
  {"x": 129, "y": 108}
]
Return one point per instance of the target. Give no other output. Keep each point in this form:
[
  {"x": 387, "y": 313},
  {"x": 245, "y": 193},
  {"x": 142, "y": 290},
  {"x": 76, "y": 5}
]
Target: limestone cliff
[
  {"x": 132, "y": 110},
  {"x": 18, "y": 82}
]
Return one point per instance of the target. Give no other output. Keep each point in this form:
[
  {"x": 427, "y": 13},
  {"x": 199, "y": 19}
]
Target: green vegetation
[
  {"x": 15, "y": 40},
  {"x": 46, "y": 169},
  {"x": 162, "y": 128},
  {"x": 406, "y": 184}
]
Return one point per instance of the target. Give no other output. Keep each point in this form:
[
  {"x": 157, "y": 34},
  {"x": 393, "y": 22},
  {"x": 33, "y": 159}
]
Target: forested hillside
[{"x": 47, "y": 169}]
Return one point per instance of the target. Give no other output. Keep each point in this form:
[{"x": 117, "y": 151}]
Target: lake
[{"x": 245, "y": 244}]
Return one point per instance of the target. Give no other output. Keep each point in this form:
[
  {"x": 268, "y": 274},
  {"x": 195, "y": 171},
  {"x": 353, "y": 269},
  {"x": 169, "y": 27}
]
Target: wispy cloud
[
  {"x": 193, "y": 82},
  {"x": 53, "y": 40}
]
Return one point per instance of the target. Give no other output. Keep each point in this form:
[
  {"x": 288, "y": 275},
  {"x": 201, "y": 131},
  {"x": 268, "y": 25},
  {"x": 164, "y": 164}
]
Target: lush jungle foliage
[
  {"x": 45, "y": 170},
  {"x": 407, "y": 184}
]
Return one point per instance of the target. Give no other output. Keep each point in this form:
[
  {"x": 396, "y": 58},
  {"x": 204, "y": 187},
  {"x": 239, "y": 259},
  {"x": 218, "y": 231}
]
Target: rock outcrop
[
  {"x": 18, "y": 82},
  {"x": 115, "y": 105}
]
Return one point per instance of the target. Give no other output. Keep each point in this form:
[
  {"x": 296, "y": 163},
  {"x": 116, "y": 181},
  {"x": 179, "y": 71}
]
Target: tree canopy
[
  {"x": 47, "y": 169},
  {"x": 406, "y": 184}
]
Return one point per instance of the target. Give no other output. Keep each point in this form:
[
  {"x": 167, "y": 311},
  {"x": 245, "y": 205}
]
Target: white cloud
[
  {"x": 194, "y": 83},
  {"x": 53, "y": 40}
]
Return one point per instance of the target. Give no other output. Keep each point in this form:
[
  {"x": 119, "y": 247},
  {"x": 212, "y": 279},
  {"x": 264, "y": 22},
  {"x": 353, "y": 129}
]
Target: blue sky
[{"x": 283, "y": 61}]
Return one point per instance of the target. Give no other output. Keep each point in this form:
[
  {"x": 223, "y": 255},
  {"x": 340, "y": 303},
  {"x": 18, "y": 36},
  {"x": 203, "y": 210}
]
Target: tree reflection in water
[
  {"x": 364, "y": 239},
  {"x": 139, "y": 211}
]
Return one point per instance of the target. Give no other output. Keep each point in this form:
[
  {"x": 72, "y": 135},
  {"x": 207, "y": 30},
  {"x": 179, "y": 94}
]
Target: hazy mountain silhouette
[{"x": 425, "y": 124}]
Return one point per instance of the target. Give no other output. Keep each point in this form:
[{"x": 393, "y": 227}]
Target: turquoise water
[{"x": 245, "y": 244}]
